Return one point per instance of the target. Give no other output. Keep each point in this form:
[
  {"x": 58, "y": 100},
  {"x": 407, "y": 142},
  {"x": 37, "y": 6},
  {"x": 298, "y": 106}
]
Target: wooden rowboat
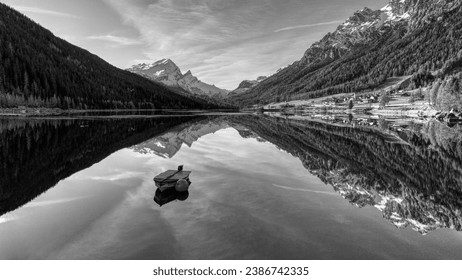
[{"x": 169, "y": 178}]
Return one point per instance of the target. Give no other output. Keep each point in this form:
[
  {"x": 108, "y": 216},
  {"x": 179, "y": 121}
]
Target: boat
[{"x": 168, "y": 179}]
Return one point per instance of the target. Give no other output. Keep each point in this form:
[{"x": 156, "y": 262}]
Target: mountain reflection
[
  {"x": 412, "y": 174},
  {"x": 36, "y": 154}
]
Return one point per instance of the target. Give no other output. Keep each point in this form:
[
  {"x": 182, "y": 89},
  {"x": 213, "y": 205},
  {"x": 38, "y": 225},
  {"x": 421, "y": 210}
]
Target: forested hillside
[
  {"x": 421, "y": 38},
  {"x": 38, "y": 69}
]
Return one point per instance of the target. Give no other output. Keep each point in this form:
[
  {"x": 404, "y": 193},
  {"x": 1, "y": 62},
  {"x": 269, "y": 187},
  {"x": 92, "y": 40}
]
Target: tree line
[{"x": 38, "y": 69}]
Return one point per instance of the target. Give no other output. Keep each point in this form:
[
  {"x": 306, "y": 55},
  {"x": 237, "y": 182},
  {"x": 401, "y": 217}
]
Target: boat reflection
[{"x": 169, "y": 195}]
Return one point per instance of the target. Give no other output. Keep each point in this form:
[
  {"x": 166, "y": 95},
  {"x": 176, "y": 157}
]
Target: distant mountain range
[
  {"x": 168, "y": 73},
  {"x": 38, "y": 69},
  {"x": 406, "y": 37}
]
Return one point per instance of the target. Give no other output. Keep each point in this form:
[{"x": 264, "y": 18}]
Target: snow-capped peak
[
  {"x": 168, "y": 73},
  {"x": 164, "y": 63},
  {"x": 395, "y": 10},
  {"x": 357, "y": 29}
]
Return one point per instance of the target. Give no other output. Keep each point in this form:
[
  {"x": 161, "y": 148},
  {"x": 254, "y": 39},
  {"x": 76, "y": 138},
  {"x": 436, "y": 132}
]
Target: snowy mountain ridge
[
  {"x": 357, "y": 29},
  {"x": 168, "y": 73}
]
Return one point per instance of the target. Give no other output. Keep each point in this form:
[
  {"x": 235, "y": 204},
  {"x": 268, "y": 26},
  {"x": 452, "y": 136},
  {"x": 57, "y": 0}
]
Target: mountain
[
  {"x": 406, "y": 37},
  {"x": 168, "y": 73},
  {"x": 164, "y": 71},
  {"x": 38, "y": 69},
  {"x": 246, "y": 85}
]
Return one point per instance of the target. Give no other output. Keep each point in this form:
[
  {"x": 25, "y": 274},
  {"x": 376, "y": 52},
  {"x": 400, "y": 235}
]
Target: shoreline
[
  {"x": 415, "y": 112},
  {"x": 25, "y": 112},
  {"x": 44, "y": 112},
  {"x": 398, "y": 106}
]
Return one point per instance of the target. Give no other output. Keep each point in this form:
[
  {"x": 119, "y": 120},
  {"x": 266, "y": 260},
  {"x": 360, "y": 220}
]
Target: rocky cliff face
[
  {"x": 164, "y": 71},
  {"x": 168, "y": 73}
]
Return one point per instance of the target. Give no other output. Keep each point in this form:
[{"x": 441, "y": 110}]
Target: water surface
[{"x": 263, "y": 188}]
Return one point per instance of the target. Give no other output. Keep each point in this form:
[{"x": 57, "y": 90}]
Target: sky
[{"x": 222, "y": 42}]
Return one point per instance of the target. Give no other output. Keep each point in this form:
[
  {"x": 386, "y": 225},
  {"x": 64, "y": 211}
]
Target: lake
[{"x": 263, "y": 187}]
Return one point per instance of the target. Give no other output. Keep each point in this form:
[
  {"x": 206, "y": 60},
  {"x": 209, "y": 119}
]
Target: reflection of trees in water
[
  {"x": 447, "y": 139},
  {"x": 37, "y": 154},
  {"x": 418, "y": 183},
  {"x": 415, "y": 180}
]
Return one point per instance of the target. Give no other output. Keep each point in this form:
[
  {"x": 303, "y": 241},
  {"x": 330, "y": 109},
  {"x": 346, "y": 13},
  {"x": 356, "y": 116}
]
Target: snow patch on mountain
[
  {"x": 357, "y": 29},
  {"x": 396, "y": 10},
  {"x": 168, "y": 73}
]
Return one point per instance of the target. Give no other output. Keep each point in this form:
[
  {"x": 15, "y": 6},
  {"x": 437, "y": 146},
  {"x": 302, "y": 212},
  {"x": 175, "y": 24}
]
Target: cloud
[
  {"x": 35, "y": 10},
  {"x": 207, "y": 37},
  {"x": 117, "y": 40},
  {"x": 307, "y": 26},
  {"x": 221, "y": 41}
]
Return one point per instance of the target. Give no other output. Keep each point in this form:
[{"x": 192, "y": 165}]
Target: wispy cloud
[
  {"x": 207, "y": 37},
  {"x": 221, "y": 41},
  {"x": 36, "y": 10},
  {"x": 307, "y": 26},
  {"x": 117, "y": 40}
]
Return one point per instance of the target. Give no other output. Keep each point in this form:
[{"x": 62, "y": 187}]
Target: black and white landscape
[{"x": 312, "y": 129}]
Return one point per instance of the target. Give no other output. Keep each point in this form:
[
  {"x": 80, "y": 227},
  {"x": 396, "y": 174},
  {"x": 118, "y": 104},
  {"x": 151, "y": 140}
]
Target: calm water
[{"x": 263, "y": 187}]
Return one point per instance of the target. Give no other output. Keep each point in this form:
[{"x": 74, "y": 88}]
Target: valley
[{"x": 351, "y": 150}]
